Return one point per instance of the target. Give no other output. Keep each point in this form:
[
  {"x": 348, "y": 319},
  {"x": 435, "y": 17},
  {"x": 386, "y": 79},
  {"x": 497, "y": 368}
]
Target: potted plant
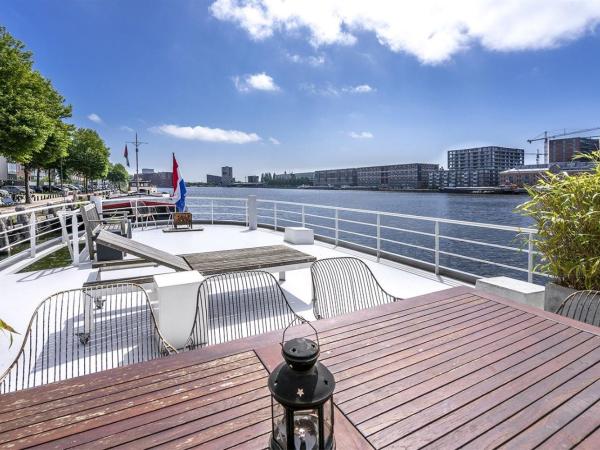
[{"x": 566, "y": 210}]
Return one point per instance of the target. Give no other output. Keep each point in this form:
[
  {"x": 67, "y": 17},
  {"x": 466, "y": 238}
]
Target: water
[
  {"x": 415, "y": 239},
  {"x": 495, "y": 209}
]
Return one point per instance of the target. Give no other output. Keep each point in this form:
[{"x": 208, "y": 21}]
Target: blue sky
[{"x": 277, "y": 89}]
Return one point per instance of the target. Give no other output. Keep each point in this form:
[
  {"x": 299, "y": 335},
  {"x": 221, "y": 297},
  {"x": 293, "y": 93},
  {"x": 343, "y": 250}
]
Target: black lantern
[{"x": 302, "y": 399}]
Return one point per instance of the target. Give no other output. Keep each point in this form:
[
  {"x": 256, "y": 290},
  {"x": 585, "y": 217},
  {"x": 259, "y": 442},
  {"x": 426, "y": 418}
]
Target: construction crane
[{"x": 547, "y": 138}]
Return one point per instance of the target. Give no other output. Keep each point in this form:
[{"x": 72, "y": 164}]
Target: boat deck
[
  {"x": 456, "y": 368},
  {"x": 22, "y": 292}
]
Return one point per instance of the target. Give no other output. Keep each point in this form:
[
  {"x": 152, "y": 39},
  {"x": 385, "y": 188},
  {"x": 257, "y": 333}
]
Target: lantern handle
[{"x": 303, "y": 322}]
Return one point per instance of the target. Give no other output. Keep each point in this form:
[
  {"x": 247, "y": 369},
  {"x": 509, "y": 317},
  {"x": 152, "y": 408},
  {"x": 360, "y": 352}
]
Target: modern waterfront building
[
  {"x": 253, "y": 178},
  {"x": 476, "y": 167},
  {"x": 563, "y": 150},
  {"x": 395, "y": 176},
  {"x": 529, "y": 175},
  {"x": 160, "y": 179},
  {"x": 285, "y": 176},
  {"x": 213, "y": 179},
  {"x": 227, "y": 175}
]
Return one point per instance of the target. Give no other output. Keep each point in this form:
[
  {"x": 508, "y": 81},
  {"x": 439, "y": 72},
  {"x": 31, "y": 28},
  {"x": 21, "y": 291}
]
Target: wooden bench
[{"x": 94, "y": 224}]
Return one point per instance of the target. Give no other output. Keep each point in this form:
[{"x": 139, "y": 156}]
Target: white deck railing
[
  {"x": 472, "y": 248},
  {"x": 23, "y": 232}
]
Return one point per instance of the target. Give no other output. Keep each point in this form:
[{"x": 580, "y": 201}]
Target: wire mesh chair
[
  {"x": 583, "y": 306},
  {"x": 237, "y": 305},
  {"x": 83, "y": 331},
  {"x": 343, "y": 285}
]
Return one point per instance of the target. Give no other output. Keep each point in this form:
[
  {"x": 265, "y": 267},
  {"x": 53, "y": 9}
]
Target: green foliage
[
  {"x": 88, "y": 156},
  {"x": 6, "y": 328},
  {"x": 32, "y": 131},
  {"x": 117, "y": 174},
  {"x": 566, "y": 210}
]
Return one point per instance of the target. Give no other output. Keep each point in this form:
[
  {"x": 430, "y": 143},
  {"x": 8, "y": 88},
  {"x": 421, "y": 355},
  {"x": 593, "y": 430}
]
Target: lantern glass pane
[
  {"x": 306, "y": 429},
  {"x": 327, "y": 421},
  {"x": 279, "y": 428}
]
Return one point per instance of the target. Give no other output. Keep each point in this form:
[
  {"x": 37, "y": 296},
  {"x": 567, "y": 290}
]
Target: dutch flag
[{"x": 179, "y": 189}]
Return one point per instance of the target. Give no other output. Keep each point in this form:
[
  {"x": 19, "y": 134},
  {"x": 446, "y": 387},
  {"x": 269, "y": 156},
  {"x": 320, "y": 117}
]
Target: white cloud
[
  {"x": 274, "y": 141},
  {"x": 126, "y": 128},
  {"x": 329, "y": 90},
  {"x": 361, "y": 135},
  {"x": 326, "y": 90},
  {"x": 360, "y": 89},
  {"x": 200, "y": 133},
  {"x": 431, "y": 30},
  {"x": 311, "y": 60},
  {"x": 258, "y": 82},
  {"x": 95, "y": 118}
]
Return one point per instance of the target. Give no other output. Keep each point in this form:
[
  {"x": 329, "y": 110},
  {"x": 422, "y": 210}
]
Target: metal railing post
[
  {"x": 75, "y": 240},
  {"x": 303, "y": 221},
  {"x": 337, "y": 227},
  {"x": 530, "y": 258},
  {"x": 437, "y": 248},
  {"x": 378, "y": 236},
  {"x": 212, "y": 211},
  {"x": 32, "y": 235},
  {"x": 136, "y": 212},
  {"x": 275, "y": 215}
]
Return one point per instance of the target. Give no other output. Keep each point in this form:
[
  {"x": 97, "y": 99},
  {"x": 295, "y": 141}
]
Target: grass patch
[{"x": 55, "y": 260}]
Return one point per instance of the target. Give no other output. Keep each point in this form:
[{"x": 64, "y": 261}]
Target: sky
[{"x": 297, "y": 85}]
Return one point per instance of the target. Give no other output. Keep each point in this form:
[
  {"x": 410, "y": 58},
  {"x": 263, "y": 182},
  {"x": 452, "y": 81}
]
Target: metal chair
[
  {"x": 583, "y": 306},
  {"x": 239, "y": 304},
  {"x": 343, "y": 285},
  {"x": 83, "y": 331}
]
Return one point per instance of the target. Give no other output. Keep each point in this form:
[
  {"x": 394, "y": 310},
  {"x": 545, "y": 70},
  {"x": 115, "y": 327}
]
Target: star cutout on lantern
[{"x": 300, "y": 392}]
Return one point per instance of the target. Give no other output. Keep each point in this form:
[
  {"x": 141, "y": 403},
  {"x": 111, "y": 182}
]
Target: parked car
[
  {"x": 4, "y": 193},
  {"x": 18, "y": 190},
  {"x": 6, "y": 201}
]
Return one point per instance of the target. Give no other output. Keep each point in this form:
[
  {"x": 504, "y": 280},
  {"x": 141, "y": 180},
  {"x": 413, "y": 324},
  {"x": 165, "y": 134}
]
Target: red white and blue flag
[{"x": 179, "y": 189}]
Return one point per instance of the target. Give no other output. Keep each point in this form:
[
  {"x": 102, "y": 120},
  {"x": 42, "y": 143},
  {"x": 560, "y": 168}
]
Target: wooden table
[
  {"x": 454, "y": 368},
  {"x": 272, "y": 258}
]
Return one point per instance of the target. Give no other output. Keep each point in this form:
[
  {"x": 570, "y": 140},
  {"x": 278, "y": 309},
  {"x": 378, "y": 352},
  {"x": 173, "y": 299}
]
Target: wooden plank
[
  {"x": 505, "y": 420},
  {"x": 591, "y": 441},
  {"x": 392, "y": 425},
  {"x": 210, "y": 263},
  {"x": 557, "y": 419},
  {"x": 140, "y": 250},
  {"x": 575, "y": 431},
  {"x": 60, "y": 427},
  {"x": 462, "y": 408},
  {"x": 390, "y": 405},
  {"x": 95, "y": 399},
  {"x": 96, "y": 385},
  {"x": 421, "y": 366}
]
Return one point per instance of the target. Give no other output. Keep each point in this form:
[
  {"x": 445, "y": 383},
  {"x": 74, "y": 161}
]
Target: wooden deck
[
  {"x": 252, "y": 258},
  {"x": 457, "y": 368}
]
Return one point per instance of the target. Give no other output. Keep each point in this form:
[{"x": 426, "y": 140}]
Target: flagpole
[{"x": 137, "y": 168}]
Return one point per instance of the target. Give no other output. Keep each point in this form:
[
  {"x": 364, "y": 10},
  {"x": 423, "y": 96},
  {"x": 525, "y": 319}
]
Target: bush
[{"x": 566, "y": 210}]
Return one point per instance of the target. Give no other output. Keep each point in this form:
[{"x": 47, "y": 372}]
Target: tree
[
  {"x": 31, "y": 111},
  {"x": 88, "y": 156},
  {"x": 118, "y": 175}
]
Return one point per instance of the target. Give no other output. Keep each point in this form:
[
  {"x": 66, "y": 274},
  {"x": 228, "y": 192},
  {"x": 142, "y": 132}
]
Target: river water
[{"x": 418, "y": 244}]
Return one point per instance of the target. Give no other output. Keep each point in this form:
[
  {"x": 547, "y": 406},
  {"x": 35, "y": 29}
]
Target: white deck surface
[{"x": 20, "y": 293}]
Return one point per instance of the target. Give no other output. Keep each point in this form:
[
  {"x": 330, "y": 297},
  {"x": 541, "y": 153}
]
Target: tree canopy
[
  {"x": 117, "y": 174},
  {"x": 88, "y": 156},
  {"x": 32, "y": 131}
]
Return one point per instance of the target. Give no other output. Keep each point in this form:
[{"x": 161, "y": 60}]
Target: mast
[{"x": 137, "y": 144}]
